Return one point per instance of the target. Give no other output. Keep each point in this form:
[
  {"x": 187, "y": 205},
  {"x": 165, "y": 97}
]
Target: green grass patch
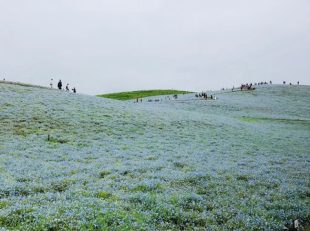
[
  {"x": 148, "y": 188},
  {"x": 280, "y": 120},
  {"x": 54, "y": 140},
  {"x": 118, "y": 220},
  {"x": 16, "y": 218},
  {"x": 249, "y": 119},
  {"x": 141, "y": 94},
  {"x": 61, "y": 186},
  {"x": 104, "y": 195}
]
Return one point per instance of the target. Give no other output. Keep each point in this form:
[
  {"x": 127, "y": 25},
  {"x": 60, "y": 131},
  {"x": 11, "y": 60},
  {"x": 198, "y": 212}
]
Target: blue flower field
[{"x": 77, "y": 162}]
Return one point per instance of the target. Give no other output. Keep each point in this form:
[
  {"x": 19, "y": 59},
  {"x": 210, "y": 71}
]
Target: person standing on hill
[
  {"x": 59, "y": 85},
  {"x": 67, "y": 87},
  {"x": 51, "y": 83}
]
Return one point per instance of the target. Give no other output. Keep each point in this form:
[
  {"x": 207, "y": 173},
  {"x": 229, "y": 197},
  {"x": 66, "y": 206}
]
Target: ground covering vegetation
[
  {"x": 75, "y": 162},
  {"x": 141, "y": 94}
]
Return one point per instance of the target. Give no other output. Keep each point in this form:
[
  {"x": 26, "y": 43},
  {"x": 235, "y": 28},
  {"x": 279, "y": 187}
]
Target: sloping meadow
[{"x": 74, "y": 162}]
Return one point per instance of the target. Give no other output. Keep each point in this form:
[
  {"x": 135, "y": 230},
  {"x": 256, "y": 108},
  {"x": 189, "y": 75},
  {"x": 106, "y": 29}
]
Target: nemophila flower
[{"x": 234, "y": 163}]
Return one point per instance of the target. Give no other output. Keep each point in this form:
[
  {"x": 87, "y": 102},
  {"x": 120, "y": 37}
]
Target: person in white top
[
  {"x": 51, "y": 83},
  {"x": 67, "y": 87}
]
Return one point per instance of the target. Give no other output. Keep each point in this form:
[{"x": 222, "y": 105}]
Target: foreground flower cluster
[{"x": 74, "y": 162}]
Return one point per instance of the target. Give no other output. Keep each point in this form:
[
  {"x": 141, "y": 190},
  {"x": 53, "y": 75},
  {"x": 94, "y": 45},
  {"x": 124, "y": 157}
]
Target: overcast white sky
[{"x": 104, "y": 46}]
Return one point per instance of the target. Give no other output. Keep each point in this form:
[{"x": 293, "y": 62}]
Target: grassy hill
[
  {"x": 141, "y": 94},
  {"x": 74, "y": 162}
]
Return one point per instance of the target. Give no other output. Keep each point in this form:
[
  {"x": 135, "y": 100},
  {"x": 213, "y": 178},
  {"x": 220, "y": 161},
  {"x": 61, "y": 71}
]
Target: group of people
[
  {"x": 263, "y": 83},
  {"x": 250, "y": 86},
  {"x": 59, "y": 85},
  {"x": 291, "y": 83},
  {"x": 138, "y": 100},
  {"x": 270, "y": 82},
  {"x": 247, "y": 87},
  {"x": 204, "y": 95}
]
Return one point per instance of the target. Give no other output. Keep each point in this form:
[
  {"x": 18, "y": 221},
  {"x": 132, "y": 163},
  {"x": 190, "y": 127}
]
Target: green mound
[{"x": 141, "y": 94}]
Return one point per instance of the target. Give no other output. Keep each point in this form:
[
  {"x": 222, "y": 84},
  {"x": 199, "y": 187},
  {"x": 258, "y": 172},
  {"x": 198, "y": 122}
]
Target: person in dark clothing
[
  {"x": 59, "y": 85},
  {"x": 67, "y": 87},
  {"x": 74, "y": 90}
]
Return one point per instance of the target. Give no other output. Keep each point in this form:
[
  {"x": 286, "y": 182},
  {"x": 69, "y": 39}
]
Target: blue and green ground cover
[
  {"x": 75, "y": 162},
  {"x": 141, "y": 94}
]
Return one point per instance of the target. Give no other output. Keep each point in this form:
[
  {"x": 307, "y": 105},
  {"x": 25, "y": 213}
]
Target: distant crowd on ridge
[{"x": 249, "y": 86}]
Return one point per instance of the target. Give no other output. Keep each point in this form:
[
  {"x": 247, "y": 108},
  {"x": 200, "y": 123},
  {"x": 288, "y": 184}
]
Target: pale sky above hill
[{"x": 103, "y": 46}]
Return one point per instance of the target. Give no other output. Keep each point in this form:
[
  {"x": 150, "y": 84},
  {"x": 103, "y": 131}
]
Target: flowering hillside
[{"x": 75, "y": 162}]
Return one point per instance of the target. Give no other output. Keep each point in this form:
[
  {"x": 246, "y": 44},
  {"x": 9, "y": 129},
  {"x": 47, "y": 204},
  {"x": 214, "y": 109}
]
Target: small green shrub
[
  {"x": 179, "y": 165},
  {"x": 61, "y": 186},
  {"x": 104, "y": 173},
  {"x": 4, "y": 204},
  {"x": 243, "y": 178}
]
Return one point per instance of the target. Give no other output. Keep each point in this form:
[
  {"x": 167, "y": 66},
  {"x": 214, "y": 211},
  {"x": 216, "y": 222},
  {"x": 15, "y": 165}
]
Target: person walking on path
[
  {"x": 59, "y": 85},
  {"x": 51, "y": 83}
]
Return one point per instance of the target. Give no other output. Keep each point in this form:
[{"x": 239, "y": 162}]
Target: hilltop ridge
[{"x": 22, "y": 84}]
